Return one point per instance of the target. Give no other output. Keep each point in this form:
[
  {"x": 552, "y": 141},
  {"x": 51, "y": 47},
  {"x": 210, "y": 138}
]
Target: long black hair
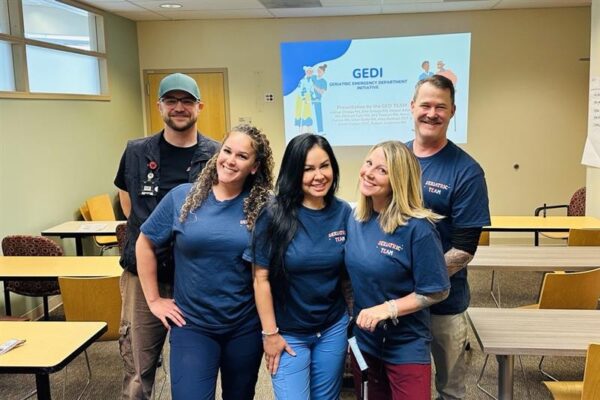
[{"x": 288, "y": 199}]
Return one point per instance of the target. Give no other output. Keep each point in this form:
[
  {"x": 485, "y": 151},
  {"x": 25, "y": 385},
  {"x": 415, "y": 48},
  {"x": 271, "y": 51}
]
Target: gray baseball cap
[{"x": 181, "y": 82}]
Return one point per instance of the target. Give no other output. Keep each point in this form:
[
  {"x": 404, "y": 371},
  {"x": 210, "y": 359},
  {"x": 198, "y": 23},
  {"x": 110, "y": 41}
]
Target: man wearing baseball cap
[{"x": 149, "y": 168}]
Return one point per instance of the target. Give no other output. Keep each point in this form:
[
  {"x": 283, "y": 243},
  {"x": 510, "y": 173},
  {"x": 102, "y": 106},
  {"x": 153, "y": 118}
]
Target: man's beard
[{"x": 177, "y": 128}]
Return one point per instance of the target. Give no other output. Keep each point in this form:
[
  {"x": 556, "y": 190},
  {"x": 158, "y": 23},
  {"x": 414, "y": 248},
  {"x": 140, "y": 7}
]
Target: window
[{"x": 51, "y": 49}]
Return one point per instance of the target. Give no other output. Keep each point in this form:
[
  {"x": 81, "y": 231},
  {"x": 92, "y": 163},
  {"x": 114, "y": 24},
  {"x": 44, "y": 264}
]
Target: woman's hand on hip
[
  {"x": 164, "y": 309},
  {"x": 274, "y": 345}
]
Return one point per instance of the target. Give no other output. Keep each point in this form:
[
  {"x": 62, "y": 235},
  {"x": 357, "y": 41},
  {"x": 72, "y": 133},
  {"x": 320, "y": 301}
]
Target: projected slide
[{"x": 358, "y": 92}]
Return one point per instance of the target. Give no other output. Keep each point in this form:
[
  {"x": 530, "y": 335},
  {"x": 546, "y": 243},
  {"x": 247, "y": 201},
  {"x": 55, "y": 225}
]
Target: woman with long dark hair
[
  {"x": 212, "y": 319},
  {"x": 298, "y": 261}
]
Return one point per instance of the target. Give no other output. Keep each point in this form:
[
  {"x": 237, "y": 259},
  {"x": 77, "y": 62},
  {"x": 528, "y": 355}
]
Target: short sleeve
[
  {"x": 429, "y": 267},
  {"x": 160, "y": 224},
  {"x": 259, "y": 250},
  {"x": 471, "y": 205}
]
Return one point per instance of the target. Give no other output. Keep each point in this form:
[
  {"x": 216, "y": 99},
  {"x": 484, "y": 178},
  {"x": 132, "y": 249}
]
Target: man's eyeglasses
[{"x": 172, "y": 101}]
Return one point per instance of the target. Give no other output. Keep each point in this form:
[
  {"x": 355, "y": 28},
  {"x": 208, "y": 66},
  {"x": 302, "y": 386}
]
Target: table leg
[
  {"x": 42, "y": 384},
  {"x": 506, "y": 367},
  {"x": 536, "y": 238},
  {"x": 78, "y": 246},
  {"x": 7, "y": 307}
]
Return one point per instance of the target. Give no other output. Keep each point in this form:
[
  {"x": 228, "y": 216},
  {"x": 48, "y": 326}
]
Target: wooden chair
[
  {"x": 484, "y": 238},
  {"x": 584, "y": 237},
  {"x": 24, "y": 245},
  {"x": 569, "y": 291},
  {"x": 589, "y": 388},
  {"x": 92, "y": 299},
  {"x": 99, "y": 208}
]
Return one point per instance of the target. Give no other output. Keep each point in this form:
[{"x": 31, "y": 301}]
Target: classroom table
[
  {"x": 49, "y": 347},
  {"x": 533, "y": 258},
  {"x": 45, "y": 268},
  {"x": 537, "y": 224},
  {"x": 536, "y": 258},
  {"x": 507, "y": 332},
  {"x": 81, "y": 229}
]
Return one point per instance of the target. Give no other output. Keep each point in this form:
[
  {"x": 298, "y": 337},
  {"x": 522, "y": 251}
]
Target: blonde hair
[
  {"x": 260, "y": 184},
  {"x": 406, "y": 200}
]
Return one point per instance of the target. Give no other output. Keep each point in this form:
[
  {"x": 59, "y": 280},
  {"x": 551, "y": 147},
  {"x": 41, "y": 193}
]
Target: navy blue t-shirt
[
  {"x": 314, "y": 261},
  {"x": 384, "y": 267},
  {"x": 213, "y": 284},
  {"x": 454, "y": 186}
]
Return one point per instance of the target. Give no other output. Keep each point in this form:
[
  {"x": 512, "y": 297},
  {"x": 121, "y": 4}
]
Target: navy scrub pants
[{"x": 196, "y": 358}]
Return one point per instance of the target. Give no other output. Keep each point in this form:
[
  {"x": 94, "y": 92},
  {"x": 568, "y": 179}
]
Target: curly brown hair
[{"x": 260, "y": 183}]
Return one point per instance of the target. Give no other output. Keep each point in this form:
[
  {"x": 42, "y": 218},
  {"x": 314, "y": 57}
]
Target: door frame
[{"x": 146, "y": 87}]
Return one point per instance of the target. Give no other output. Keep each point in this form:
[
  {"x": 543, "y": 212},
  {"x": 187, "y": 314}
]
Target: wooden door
[{"x": 213, "y": 120}]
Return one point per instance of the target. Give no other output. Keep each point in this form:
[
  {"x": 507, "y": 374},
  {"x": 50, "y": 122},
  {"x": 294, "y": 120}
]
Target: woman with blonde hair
[
  {"x": 212, "y": 319},
  {"x": 395, "y": 261}
]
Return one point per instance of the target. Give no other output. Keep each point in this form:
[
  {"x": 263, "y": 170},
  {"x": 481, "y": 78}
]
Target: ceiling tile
[
  {"x": 437, "y": 7},
  {"x": 142, "y": 16},
  {"x": 216, "y": 14},
  {"x": 325, "y": 11},
  {"x": 199, "y": 5},
  {"x": 347, "y": 3}
]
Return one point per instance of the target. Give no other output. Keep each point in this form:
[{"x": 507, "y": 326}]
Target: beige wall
[
  {"x": 528, "y": 96},
  {"x": 56, "y": 153}
]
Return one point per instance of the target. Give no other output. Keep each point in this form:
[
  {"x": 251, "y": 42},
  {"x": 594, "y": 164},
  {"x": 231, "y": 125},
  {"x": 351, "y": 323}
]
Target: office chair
[
  {"x": 575, "y": 208},
  {"x": 589, "y": 388},
  {"x": 24, "y": 245},
  {"x": 121, "y": 231},
  {"x": 99, "y": 208}
]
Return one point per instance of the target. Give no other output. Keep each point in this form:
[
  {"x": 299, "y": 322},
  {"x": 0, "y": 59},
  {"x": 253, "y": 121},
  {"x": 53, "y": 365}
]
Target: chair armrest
[{"x": 545, "y": 207}]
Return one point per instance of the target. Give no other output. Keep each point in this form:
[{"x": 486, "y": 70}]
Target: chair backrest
[
  {"x": 25, "y": 245},
  {"x": 577, "y": 204},
  {"x": 584, "y": 237},
  {"x": 100, "y": 208},
  {"x": 572, "y": 291},
  {"x": 121, "y": 231},
  {"x": 85, "y": 212},
  {"x": 591, "y": 375},
  {"x": 484, "y": 238},
  {"x": 93, "y": 299}
]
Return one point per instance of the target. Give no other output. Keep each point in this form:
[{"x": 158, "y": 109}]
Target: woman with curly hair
[
  {"x": 213, "y": 319},
  {"x": 298, "y": 256}
]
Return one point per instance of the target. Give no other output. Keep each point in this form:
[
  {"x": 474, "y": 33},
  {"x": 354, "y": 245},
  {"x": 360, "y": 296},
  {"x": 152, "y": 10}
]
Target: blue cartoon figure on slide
[
  {"x": 319, "y": 88},
  {"x": 303, "y": 108}
]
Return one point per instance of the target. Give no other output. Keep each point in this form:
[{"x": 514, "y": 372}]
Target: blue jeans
[
  {"x": 196, "y": 358},
  {"x": 316, "y": 370}
]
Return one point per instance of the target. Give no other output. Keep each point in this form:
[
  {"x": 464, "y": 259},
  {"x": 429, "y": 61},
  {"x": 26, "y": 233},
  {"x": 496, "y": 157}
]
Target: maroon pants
[{"x": 395, "y": 382}]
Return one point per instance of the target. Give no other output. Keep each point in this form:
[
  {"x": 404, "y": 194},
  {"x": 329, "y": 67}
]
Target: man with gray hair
[
  {"x": 453, "y": 186},
  {"x": 149, "y": 168}
]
